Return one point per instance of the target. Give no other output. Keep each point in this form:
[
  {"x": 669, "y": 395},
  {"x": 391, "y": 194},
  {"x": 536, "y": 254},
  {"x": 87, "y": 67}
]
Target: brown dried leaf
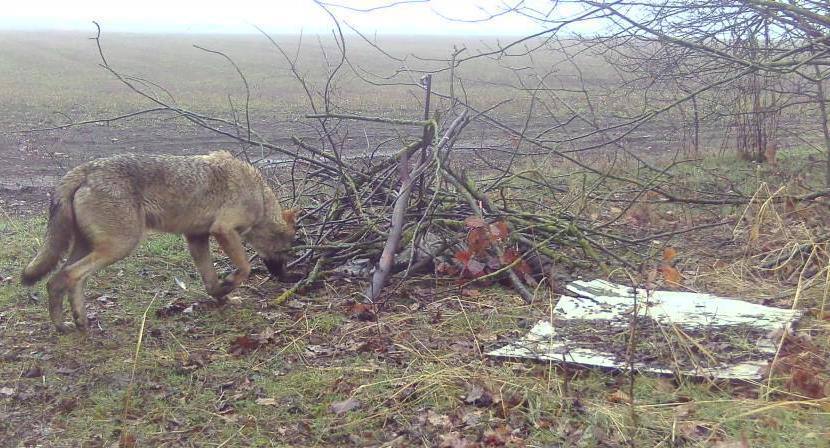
[
  {"x": 454, "y": 439},
  {"x": 127, "y": 440},
  {"x": 789, "y": 204},
  {"x": 342, "y": 407},
  {"x": 640, "y": 215},
  {"x": 669, "y": 253},
  {"x": 175, "y": 307},
  {"x": 362, "y": 312},
  {"x": 436, "y": 419},
  {"x": 463, "y": 256},
  {"x": 67, "y": 405},
  {"x": 510, "y": 255},
  {"x": 742, "y": 443},
  {"x": 507, "y": 402},
  {"x": 525, "y": 269},
  {"x": 685, "y": 410},
  {"x": 665, "y": 385},
  {"x": 496, "y": 437},
  {"x": 619, "y": 396},
  {"x": 479, "y": 396},
  {"x": 471, "y": 418},
  {"x": 243, "y": 345},
  {"x": 265, "y": 336},
  {"x": 235, "y": 300},
  {"x": 33, "y": 372},
  {"x": 475, "y": 267},
  {"x": 446, "y": 269},
  {"x": 692, "y": 430},
  {"x": 768, "y": 421},
  {"x": 475, "y": 222},
  {"x": 478, "y": 240},
  {"x": 499, "y": 230},
  {"x": 671, "y": 275},
  {"x": 807, "y": 382},
  {"x": 195, "y": 360}
]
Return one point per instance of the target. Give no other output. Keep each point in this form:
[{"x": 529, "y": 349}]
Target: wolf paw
[{"x": 222, "y": 289}]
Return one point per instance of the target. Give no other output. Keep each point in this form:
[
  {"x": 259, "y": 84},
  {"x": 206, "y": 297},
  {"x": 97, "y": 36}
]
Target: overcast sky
[{"x": 278, "y": 16}]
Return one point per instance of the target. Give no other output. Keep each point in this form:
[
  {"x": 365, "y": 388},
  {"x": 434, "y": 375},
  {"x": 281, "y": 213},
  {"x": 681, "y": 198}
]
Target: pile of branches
[{"x": 414, "y": 209}]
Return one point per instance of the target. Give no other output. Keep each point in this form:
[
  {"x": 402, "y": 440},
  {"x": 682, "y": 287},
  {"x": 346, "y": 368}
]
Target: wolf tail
[{"x": 59, "y": 230}]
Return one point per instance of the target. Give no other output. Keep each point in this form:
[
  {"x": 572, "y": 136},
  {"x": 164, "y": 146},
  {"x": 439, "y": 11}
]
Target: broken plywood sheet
[{"x": 676, "y": 332}]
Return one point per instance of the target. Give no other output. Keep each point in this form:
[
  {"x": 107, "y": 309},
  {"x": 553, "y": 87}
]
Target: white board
[{"x": 691, "y": 316}]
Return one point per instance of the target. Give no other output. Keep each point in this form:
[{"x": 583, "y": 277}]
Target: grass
[{"x": 411, "y": 373}]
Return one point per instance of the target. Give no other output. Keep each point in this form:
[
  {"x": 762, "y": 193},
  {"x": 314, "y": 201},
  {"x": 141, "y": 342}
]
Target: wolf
[{"x": 102, "y": 209}]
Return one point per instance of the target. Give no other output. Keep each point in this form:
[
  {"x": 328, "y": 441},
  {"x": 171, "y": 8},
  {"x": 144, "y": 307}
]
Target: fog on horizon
[{"x": 409, "y": 17}]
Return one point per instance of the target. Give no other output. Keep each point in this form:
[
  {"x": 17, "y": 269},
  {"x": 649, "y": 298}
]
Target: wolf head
[{"x": 272, "y": 239}]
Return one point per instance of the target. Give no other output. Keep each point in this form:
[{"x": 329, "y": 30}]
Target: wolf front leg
[
  {"x": 199, "y": 247},
  {"x": 230, "y": 241}
]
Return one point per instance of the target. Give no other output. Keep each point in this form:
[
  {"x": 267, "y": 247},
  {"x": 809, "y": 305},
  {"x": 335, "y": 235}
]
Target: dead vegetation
[{"x": 452, "y": 235}]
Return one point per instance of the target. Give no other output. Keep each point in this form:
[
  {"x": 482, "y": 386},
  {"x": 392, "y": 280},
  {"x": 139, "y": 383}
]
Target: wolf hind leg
[
  {"x": 57, "y": 286},
  {"x": 80, "y": 249},
  {"x": 109, "y": 230},
  {"x": 75, "y": 275}
]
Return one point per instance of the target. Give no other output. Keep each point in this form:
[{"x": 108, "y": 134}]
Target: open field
[{"x": 164, "y": 366}]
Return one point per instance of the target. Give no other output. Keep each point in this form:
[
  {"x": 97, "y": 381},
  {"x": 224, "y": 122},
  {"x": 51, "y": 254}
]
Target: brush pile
[{"x": 414, "y": 210}]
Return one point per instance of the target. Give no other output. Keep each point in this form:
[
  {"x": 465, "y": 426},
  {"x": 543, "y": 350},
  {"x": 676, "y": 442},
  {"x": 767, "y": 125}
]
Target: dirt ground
[{"x": 32, "y": 162}]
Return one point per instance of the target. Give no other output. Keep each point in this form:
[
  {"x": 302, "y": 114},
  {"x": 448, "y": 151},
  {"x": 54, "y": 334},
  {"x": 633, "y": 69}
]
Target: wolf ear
[{"x": 290, "y": 216}]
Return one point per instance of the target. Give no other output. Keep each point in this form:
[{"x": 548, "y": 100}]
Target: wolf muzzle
[{"x": 276, "y": 266}]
